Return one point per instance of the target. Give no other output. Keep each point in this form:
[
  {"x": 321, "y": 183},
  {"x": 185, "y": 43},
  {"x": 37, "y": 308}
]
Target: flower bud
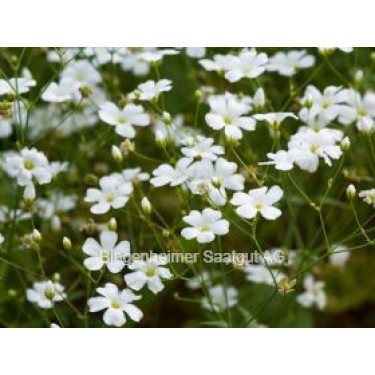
[
  {"x": 167, "y": 118},
  {"x": 345, "y": 144},
  {"x": 67, "y": 244},
  {"x": 351, "y": 192},
  {"x": 29, "y": 193},
  {"x": 358, "y": 77},
  {"x": 259, "y": 99},
  {"x": 146, "y": 206},
  {"x": 198, "y": 94},
  {"x": 36, "y": 236},
  {"x": 56, "y": 277},
  {"x": 112, "y": 225},
  {"x": 90, "y": 179},
  {"x": 116, "y": 154}
]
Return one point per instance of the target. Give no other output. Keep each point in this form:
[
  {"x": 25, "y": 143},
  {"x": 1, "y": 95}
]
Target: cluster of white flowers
[{"x": 209, "y": 159}]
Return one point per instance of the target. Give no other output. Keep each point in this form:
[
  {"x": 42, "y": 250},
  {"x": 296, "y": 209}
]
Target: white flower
[
  {"x": 203, "y": 149},
  {"x": 248, "y": 64},
  {"x": 216, "y": 179},
  {"x": 107, "y": 252},
  {"x": 113, "y": 193},
  {"x": 314, "y": 293},
  {"x": 124, "y": 120},
  {"x": 65, "y": 90},
  {"x": 368, "y": 196},
  {"x": 45, "y": 294},
  {"x": 361, "y": 110},
  {"x": 196, "y": 52},
  {"x": 260, "y": 274},
  {"x": 205, "y": 225},
  {"x": 327, "y": 105},
  {"x": 27, "y": 165},
  {"x": 196, "y": 282},
  {"x": 221, "y": 298},
  {"x": 150, "y": 90},
  {"x": 149, "y": 272},
  {"x": 165, "y": 174},
  {"x": 218, "y": 64},
  {"x": 287, "y": 64},
  {"x": 6, "y": 129},
  {"x": 310, "y": 145},
  {"x": 339, "y": 256},
  {"x": 157, "y": 55},
  {"x": 228, "y": 113},
  {"x": 82, "y": 72},
  {"x": 282, "y": 160},
  {"x": 117, "y": 304},
  {"x": 258, "y": 200},
  {"x": 275, "y": 118},
  {"x": 16, "y": 85},
  {"x": 134, "y": 175}
]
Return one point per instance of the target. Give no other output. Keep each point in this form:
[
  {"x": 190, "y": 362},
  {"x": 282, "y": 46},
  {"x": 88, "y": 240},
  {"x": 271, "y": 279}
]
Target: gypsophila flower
[
  {"x": 248, "y": 64},
  {"x": 16, "y": 85},
  {"x": 124, "y": 120},
  {"x": 166, "y": 174},
  {"x": 261, "y": 274},
  {"x": 314, "y": 293},
  {"x": 117, "y": 304},
  {"x": 221, "y": 298},
  {"x": 113, "y": 193},
  {"x": 45, "y": 294},
  {"x": 339, "y": 256},
  {"x": 228, "y": 113},
  {"x": 28, "y": 165},
  {"x": 205, "y": 225},
  {"x": 106, "y": 252},
  {"x": 202, "y": 149},
  {"x": 368, "y": 196},
  {"x": 258, "y": 200},
  {"x": 287, "y": 64},
  {"x": 151, "y": 90},
  {"x": 148, "y": 272}
]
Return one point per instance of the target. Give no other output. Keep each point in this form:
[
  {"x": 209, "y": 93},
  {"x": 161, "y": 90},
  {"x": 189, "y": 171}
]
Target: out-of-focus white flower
[
  {"x": 196, "y": 52},
  {"x": 221, "y": 298},
  {"x": 205, "y": 225},
  {"x": 351, "y": 192},
  {"x": 275, "y": 118},
  {"x": 258, "y": 200},
  {"x": 148, "y": 272},
  {"x": 287, "y": 64},
  {"x": 65, "y": 90},
  {"x": 339, "y": 256},
  {"x": 82, "y": 72},
  {"x": 16, "y": 85},
  {"x": 368, "y": 196},
  {"x": 260, "y": 274},
  {"x": 108, "y": 252},
  {"x": 6, "y": 128},
  {"x": 259, "y": 99},
  {"x": 157, "y": 55},
  {"x": 124, "y": 120},
  {"x": 218, "y": 64},
  {"x": 117, "y": 304},
  {"x": 196, "y": 282},
  {"x": 314, "y": 293},
  {"x": 45, "y": 294},
  {"x": 113, "y": 193}
]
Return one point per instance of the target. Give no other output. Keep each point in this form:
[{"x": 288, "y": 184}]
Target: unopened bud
[
  {"x": 259, "y": 99},
  {"x": 146, "y": 206},
  {"x": 67, "y": 244},
  {"x": 29, "y": 193},
  {"x": 116, "y": 154},
  {"x": 358, "y": 76},
  {"x": 351, "y": 192},
  {"x": 167, "y": 118},
  {"x": 198, "y": 94},
  {"x": 112, "y": 225},
  {"x": 36, "y": 236},
  {"x": 345, "y": 144}
]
